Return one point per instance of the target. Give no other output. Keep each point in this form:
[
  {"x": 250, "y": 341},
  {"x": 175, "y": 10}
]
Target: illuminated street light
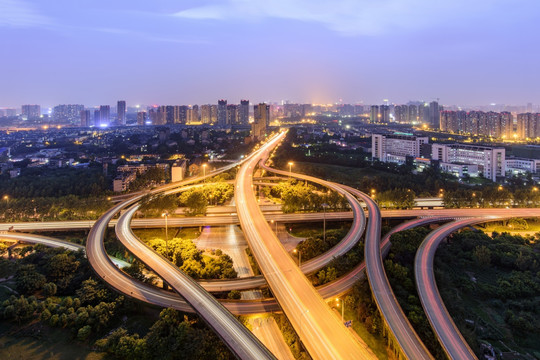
[
  {"x": 342, "y": 307},
  {"x": 290, "y": 168},
  {"x": 535, "y": 188},
  {"x": 500, "y": 187},
  {"x": 272, "y": 221},
  {"x": 166, "y": 215},
  {"x": 204, "y": 171}
]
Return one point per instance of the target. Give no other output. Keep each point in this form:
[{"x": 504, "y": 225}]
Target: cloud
[
  {"x": 348, "y": 17},
  {"x": 20, "y": 14}
]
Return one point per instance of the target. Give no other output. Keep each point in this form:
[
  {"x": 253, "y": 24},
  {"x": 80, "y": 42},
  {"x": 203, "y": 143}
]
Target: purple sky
[{"x": 185, "y": 52}]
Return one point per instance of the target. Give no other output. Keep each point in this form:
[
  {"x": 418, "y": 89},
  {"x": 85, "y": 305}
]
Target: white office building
[
  {"x": 396, "y": 147},
  {"x": 489, "y": 160},
  {"x": 516, "y": 165}
]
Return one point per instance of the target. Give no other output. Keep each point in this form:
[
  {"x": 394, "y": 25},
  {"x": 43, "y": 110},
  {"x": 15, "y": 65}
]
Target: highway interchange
[{"x": 320, "y": 330}]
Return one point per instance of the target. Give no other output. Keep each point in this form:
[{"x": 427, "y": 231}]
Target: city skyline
[{"x": 306, "y": 52}]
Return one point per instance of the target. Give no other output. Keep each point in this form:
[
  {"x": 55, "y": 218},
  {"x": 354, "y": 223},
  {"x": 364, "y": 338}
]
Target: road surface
[
  {"x": 321, "y": 331},
  {"x": 238, "y": 338},
  {"x": 409, "y": 341}
]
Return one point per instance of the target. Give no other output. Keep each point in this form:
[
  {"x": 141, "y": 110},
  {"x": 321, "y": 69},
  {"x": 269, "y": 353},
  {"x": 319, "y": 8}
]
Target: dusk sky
[{"x": 465, "y": 52}]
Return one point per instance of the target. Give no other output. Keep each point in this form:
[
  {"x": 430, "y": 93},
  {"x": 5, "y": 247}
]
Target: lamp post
[
  {"x": 324, "y": 206},
  {"x": 272, "y": 221},
  {"x": 290, "y": 168},
  {"x": 166, "y": 215},
  {"x": 342, "y": 308},
  {"x": 204, "y": 171}
]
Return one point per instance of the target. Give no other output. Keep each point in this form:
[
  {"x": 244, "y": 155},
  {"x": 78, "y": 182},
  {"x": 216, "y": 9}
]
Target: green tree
[
  {"x": 49, "y": 289},
  {"x": 28, "y": 280},
  {"x": 195, "y": 202},
  {"x": 84, "y": 332},
  {"x": 483, "y": 255}
]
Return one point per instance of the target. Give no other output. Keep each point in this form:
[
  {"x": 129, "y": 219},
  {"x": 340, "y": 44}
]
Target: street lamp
[
  {"x": 204, "y": 171},
  {"x": 324, "y": 206},
  {"x": 272, "y": 221},
  {"x": 342, "y": 308},
  {"x": 166, "y": 215},
  {"x": 372, "y": 193},
  {"x": 299, "y": 256},
  {"x": 500, "y": 187},
  {"x": 290, "y": 168}
]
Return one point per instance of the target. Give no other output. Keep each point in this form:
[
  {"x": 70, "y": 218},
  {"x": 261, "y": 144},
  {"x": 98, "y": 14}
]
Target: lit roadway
[
  {"x": 53, "y": 242},
  {"x": 321, "y": 331},
  {"x": 408, "y": 340},
  {"x": 159, "y": 297},
  {"x": 236, "y": 336},
  {"x": 446, "y": 331},
  {"x": 353, "y": 236},
  {"x": 233, "y": 219}
]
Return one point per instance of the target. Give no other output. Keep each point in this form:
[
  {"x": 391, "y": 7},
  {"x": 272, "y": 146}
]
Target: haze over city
[
  {"x": 263, "y": 180},
  {"x": 94, "y": 52}
]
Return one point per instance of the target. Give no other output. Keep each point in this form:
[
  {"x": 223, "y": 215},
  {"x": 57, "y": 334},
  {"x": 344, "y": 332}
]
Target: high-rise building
[
  {"x": 30, "y": 112},
  {"x": 358, "y": 109},
  {"x": 374, "y": 115},
  {"x": 506, "y": 129},
  {"x": 85, "y": 118},
  {"x": 104, "y": 115},
  {"x": 528, "y": 126},
  {"x": 243, "y": 112},
  {"x": 195, "y": 116},
  {"x": 141, "y": 118},
  {"x": 121, "y": 112},
  {"x": 401, "y": 113},
  {"x": 261, "y": 120},
  {"x": 96, "y": 120},
  {"x": 232, "y": 114},
  {"x": 158, "y": 115},
  {"x": 434, "y": 115},
  {"x": 413, "y": 113},
  {"x": 206, "y": 114},
  {"x": 222, "y": 113},
  {"x": 384, "y": 114},
  {"x": 67, "y": 113},
  {"x": 192, "y": 114}
]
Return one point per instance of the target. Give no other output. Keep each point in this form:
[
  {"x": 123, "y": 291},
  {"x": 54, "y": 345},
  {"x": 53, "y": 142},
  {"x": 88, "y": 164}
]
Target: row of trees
[
  {"x": 298, "y": 196},
  {"x": 47, "y": 182},
  {"x": 170, "y": 337},
  {"x": 70, "y": 207},
  {"x": 492, "y": 196},
  {"x": 195, "y": 200},
  {"x": 184, "y": 254},
  {"x": 396, "y": 199}
]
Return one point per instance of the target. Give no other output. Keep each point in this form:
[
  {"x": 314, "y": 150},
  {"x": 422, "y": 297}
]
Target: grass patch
[
  {"x": 174, "y": 232},
  {"x": 306, "y": 230}
]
